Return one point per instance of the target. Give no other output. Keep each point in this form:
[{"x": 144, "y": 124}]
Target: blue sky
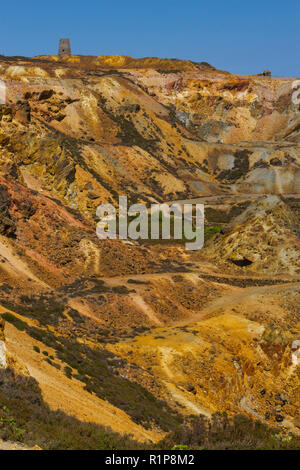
[{"x": 240, "y": 36}]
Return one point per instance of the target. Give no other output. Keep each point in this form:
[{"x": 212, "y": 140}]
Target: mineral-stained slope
[
  {"x": 137, "y": 336},
  {"x": 265, "y": 238}
]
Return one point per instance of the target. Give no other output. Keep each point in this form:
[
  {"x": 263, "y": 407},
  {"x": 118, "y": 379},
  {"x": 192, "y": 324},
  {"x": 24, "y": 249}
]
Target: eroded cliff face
[
  {"x": 226, "y": 108},
  {"x": 264, "y": 238},
  {"x": 146, "y": 120},
  {"x": 204, "y": 332}
]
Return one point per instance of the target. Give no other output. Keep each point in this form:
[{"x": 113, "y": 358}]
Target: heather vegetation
[
  {"x": 93, "y": 367},
  {"x": 223, "y": 433},
  {"x": 26, "y": 418}
]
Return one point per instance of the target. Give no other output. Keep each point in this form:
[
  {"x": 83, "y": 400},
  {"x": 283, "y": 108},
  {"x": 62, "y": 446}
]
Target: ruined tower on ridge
[{"x": 64, "y": 47}]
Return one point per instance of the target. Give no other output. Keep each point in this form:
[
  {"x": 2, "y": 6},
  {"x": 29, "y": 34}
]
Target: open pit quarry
[{"x": 116, "y": 344}]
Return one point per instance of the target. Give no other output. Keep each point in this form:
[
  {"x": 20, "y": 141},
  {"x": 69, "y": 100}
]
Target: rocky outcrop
[
  {"x": 264, "y": 238},
  {"x": 22, "y": 112}
]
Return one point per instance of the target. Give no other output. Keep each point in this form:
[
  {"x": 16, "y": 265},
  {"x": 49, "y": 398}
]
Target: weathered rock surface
[
  {"x": 264, "y": 238},
  {"x": 205, "y": 331}
]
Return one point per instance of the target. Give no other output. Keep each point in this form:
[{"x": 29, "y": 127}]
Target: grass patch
[{"x": 209, "y": 232}]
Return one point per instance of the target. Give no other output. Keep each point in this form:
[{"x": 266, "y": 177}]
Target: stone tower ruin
[{"x": 64, "y": 47}]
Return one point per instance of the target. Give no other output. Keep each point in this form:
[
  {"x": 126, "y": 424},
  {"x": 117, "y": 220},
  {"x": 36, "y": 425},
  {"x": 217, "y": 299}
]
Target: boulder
[
  {"x": 45, "y": 95},
  {"x": 22, "y": 112}
]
